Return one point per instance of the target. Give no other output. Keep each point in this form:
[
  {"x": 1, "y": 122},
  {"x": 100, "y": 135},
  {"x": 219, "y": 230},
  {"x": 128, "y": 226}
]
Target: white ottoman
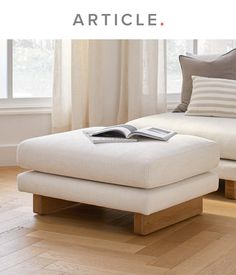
[{"x": 161, "y": 182}]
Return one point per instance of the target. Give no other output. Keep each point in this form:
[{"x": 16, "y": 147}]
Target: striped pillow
[{"x": 212, "y": 97}]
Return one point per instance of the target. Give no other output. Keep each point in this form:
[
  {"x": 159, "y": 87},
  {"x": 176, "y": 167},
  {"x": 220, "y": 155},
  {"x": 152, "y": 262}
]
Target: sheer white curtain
[{"x": 105, "y": 82}]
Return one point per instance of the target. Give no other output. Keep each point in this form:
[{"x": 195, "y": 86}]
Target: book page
[
  {"x": 123, "y": 129},
  {"x": 155, "y": 133}
]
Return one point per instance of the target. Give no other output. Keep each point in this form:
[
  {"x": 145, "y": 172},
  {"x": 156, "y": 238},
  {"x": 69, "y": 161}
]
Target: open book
[{"x": 128, "y": 133}]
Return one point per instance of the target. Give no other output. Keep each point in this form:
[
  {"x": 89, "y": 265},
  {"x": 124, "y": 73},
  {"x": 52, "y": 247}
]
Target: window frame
[
  {"x": 27, "y": 103},
  {"x": 3, "y": 66},
  {"x": 175, "y": 98}
]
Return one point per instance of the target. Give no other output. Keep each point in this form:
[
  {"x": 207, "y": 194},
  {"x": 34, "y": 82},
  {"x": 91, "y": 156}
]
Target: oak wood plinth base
[
  {"x": 143, "y": 224},
  {"x": 44, "y": 205},
  {"x": 146, "y": 224},
  {"x": 230, "y": 189}
]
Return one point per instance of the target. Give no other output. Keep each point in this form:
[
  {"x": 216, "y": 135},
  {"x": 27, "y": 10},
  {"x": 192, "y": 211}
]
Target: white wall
[{"x": 17, "y": 127}]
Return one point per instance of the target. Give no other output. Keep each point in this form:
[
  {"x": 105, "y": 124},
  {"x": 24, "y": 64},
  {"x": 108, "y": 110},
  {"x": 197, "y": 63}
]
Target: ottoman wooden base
[
  {"x": 45, "y": 205},
  {"x": 146, "y": 224},
  {"x": 143, "y": 224}
]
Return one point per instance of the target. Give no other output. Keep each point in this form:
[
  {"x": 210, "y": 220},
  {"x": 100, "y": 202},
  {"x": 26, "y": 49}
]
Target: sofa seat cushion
[
  {"x": 221, "y": 130},
  {"x": 227, "y": 169},
  {"x": 145, "y": 164}
]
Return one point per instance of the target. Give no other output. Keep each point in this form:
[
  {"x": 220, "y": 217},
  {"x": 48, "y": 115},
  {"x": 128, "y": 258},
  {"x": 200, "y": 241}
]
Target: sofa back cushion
[{"x": 223, "y": 66}]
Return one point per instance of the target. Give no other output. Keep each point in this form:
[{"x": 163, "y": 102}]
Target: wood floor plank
[
  {"x": 226, "y": 208},
  {"x": 102, "y": 264},
  {"x": 49, "y": 272},
  {"x": 73, "y": 268},
  {"x": 35, "y": 264},
  {"x": 82, "y": 229},
  {"x": 13, "y": 234},
  {"x": 19, "y": 256},
  {"x": 83, "y": 252},
  {"x": 168, "y": 243},
  {"x": 20, "y": 220},
  {"x": 156, "y": 236},
  {"x": 86, "y": 241},
  {"x": 186, "y": 249},
  {"x": 17, "y": 244},
  {"x": 203, "y": 258},
  {"x": 225, "y": 265},
  {"x": 9, "y": 215},
  {"x": 99, "y": 258},
  {"x": 7, "y": 206}
]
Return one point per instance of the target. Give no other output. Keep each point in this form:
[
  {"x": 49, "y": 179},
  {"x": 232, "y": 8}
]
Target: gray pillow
[
  {"x": 223, "y": 66},
  {"x": 205, "y": 57}
]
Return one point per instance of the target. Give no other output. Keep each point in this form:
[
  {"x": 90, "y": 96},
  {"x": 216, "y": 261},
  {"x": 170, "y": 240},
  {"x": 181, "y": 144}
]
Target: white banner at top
[{"x": 123, "y": 19}]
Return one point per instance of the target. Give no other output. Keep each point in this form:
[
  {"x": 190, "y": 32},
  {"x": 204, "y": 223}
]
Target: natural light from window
[
  {"x": 3, "y": 70},
  {"x": 32, "y": 72},
  {"x": 173, "y": 72},
  {"x": 26, "y": 68}
]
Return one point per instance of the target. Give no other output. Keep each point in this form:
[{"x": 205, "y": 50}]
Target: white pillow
[{"x": 212, "y": 97}]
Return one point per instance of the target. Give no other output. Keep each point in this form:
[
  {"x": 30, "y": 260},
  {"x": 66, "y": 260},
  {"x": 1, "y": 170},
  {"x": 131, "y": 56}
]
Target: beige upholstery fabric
[
  {"x": 227, "y": 169},
  {"x": 144, "y": 201},
  {"x": 222, "y": 67},
  {"x": 145, "y": 164},
  {"x": 221, "y": 130}
]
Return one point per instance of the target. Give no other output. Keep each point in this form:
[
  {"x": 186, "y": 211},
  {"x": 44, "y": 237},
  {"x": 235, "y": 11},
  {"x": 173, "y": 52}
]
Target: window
[
  {"x": 176, "y": 47},
  {"x": 26, "y": 73},
  {"x": 173, "y": 73},
  {"x": 3, "y": 69}
]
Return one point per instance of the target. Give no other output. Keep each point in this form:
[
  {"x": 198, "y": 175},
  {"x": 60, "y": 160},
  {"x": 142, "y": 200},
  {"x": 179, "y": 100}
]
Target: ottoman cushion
[
  {"x": 145, "y": 164},
  {"x": 144, "y": 201}
]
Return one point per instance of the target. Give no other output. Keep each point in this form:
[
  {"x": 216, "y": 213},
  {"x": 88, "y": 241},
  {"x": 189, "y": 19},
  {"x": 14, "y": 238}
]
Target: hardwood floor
[{"x": 92, "y": 240}]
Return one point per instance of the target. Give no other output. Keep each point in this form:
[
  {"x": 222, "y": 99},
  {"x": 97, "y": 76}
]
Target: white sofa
[{"x": 220, "y": 130}]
